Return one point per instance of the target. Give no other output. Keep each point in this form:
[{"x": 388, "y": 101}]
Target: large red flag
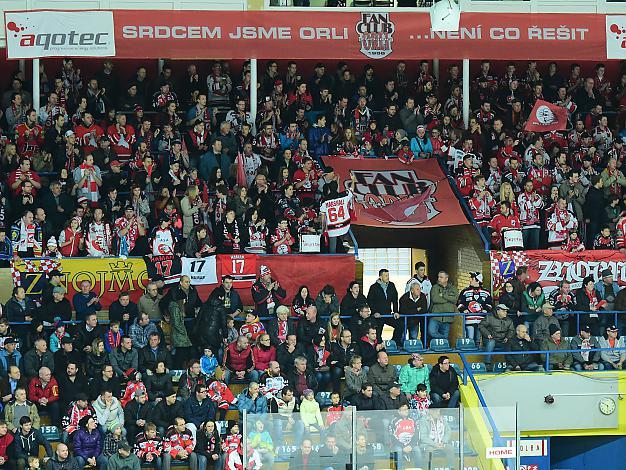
[
  {"x": 241, "y": 171},
  {"x": 546, "y": 117}
]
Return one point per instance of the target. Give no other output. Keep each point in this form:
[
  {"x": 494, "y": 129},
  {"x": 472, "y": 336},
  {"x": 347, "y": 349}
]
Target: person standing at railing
[
  {"x": 475, "y": 302},
  {"x": 412, "y": 302},
  {"x": 612, "y": 360},
  {"x": 383, "y": 300},
  {"x": 443, "y": 298}
]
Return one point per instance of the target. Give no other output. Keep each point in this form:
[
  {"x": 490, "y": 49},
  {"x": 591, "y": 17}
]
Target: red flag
[
  {"x": 241, "y": 172},
  {"x": 546, "y": 117}
]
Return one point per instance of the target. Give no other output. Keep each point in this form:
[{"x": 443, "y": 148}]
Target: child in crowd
[
  {"x": 57, "y": 335},
  {"x": 208, "y": 363},
  {"x": 113, "y": 336},
  {"x": 310, "y": 412},
  {"x": 253, "y": 326},
  {"x": 420, "y": 401},
  {"x": 335, "y": 410}
]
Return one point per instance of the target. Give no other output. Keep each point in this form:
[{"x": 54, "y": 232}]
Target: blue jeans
[
  {"x": 438, "y": 329},
  {"x": 439, "y": 402},
  {"x": 578, "y": 366},
  {"x": 101, "y": 460},
  {"x": 280, "y": 426},
  {"x": 203, "y": 462},
  {"x": 250, "y": 376},
  {"x": 492, "y": 345},
  {"x": 471, "y": 331}
]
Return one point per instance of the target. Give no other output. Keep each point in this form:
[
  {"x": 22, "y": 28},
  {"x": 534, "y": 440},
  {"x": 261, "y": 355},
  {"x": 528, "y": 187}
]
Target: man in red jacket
[
  {"x": 44, "y": 392},
  {"x": 178, "y": 445},
  {"x": 238, "y": 360}
]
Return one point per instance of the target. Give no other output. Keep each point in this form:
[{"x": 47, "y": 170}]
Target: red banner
[
  {"x": 549, "y": 267},
  {"x": 546, "y": 117},
  {"x": 315, "y": 34},
  {"x": 390, "y": 193},
  {"x": 292, "y": 271}
]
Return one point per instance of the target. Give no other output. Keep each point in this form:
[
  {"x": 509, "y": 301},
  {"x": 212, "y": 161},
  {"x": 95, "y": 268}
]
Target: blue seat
[
  {"x": 499, "y": 367},
  {"x": 478, "y": 367},
  {"x": 398, "y": 367},
  {"x": 391, "y": 346},
  {"x": 413, "y": 345},
  {"x": 323, "y": 398},
  {"x": 439, "y": 345},
  {"x": 466, "y": 344}
]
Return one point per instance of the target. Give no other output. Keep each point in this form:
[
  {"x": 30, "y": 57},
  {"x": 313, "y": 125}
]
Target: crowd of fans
[{"x": 179, "y": 166}]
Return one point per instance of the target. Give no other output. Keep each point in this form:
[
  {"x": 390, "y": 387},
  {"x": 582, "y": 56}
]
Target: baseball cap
[
  {"x": 115, "y": 163},
  {"x": 502, "y": 307},
  {"x": 586, "y": 328},
  {"x": 612, "y": 328},
  {"x": 10, "y": 340},
  {"x": 69, "y": 133},
  {"x": 58, "y": 290},
  {"x": 54, "y": 272},
  {"x": 607, "y": 273},
  {"x": 82, "y": 200},
  {"x": 394, "y": 384},
  {"x": 265, "y": 270},
  {"x": 553, "y": 329},
  {"x": 476, "y": 275}
]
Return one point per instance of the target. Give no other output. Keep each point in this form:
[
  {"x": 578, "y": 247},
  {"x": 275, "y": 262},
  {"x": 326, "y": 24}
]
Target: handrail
[
  {"x": 534, "y": 352},
  {"x": 464, "y": 206},
  {"x": 497, "y": 439}
]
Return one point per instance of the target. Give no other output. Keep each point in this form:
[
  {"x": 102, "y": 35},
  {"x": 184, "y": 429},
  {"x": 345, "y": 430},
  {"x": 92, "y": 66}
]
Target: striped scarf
[{"x": 90, "y": 185}]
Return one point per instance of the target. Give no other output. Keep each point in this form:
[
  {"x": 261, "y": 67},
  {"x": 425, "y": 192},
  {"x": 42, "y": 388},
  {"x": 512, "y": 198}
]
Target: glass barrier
[
  {"x": 489, "y": 435},
  {"x": 408, "y": 438}
]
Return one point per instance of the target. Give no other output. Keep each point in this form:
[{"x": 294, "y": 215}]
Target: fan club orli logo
[
  {"x": 54, "y": 41},
  {"x": 545, "y": 116},
  {"x": 395, "y": 197},
  {"x": 375, "y": 32}
]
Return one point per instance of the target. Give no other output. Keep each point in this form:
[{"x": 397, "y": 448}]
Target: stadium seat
[
  {"x": 176, "y": 374},
  {"x": 439, "y": 345},
  {"x": 413, "y": 345},
  {"x": 478, "y": 367},
  {"x": 398, "y": 367},
  {"x": 499, "y": 367},
  {"x": 323, "y": 398},
  {"x": 391, "y": 346},
  {"x": 466, "y": 344},
  {"x": 51, "y": 433}
]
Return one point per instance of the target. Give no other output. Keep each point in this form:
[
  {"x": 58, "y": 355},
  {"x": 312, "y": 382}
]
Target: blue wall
[{"x": 588, "y": 453}]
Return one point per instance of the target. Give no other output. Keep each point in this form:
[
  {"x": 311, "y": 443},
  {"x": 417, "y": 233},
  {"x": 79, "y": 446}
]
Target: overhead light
[{"x": 445, "y": 15}]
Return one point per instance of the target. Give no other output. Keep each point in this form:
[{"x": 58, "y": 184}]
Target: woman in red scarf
[{"x": 71, "y": 239}]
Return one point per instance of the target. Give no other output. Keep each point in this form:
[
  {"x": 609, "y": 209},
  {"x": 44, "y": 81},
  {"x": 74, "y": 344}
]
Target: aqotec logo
[{"x": 58, "y": 40}]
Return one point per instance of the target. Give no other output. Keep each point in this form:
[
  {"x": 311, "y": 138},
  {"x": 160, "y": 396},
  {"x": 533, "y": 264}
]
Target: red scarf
[{"x": 90, "y": 183}]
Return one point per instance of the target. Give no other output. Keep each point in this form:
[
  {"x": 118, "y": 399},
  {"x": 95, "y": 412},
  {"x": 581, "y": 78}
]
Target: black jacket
[
  {"x": 521, "y": 360},
  {"x": 350, "y": 305},
  {"x": 148, "y": 361},
  {"x": 28, "y": 445},
  {"x": 342, "y": 355},
  {"x": 164, "y": 414},
  {"x": 272, "y": 329},
  {"x": 14, "y": 311},
  {"x": 83, "y": 338},
  {"x": 362, "y": 403},
  {"x": 134, "y": 411},
  {"x": 443, "y": 382},
  {"x": 211, "y": 324},
  {"x": 158, "y": 385},
  {"x": 69, "y": 389},
  {"x": 593, "y": 209},
  {"x": 380, "y": 303},
  {"x": 286, "y": 358},
  {"x": 307, "y": 330},
  {"x": 117, "y": 311}
]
